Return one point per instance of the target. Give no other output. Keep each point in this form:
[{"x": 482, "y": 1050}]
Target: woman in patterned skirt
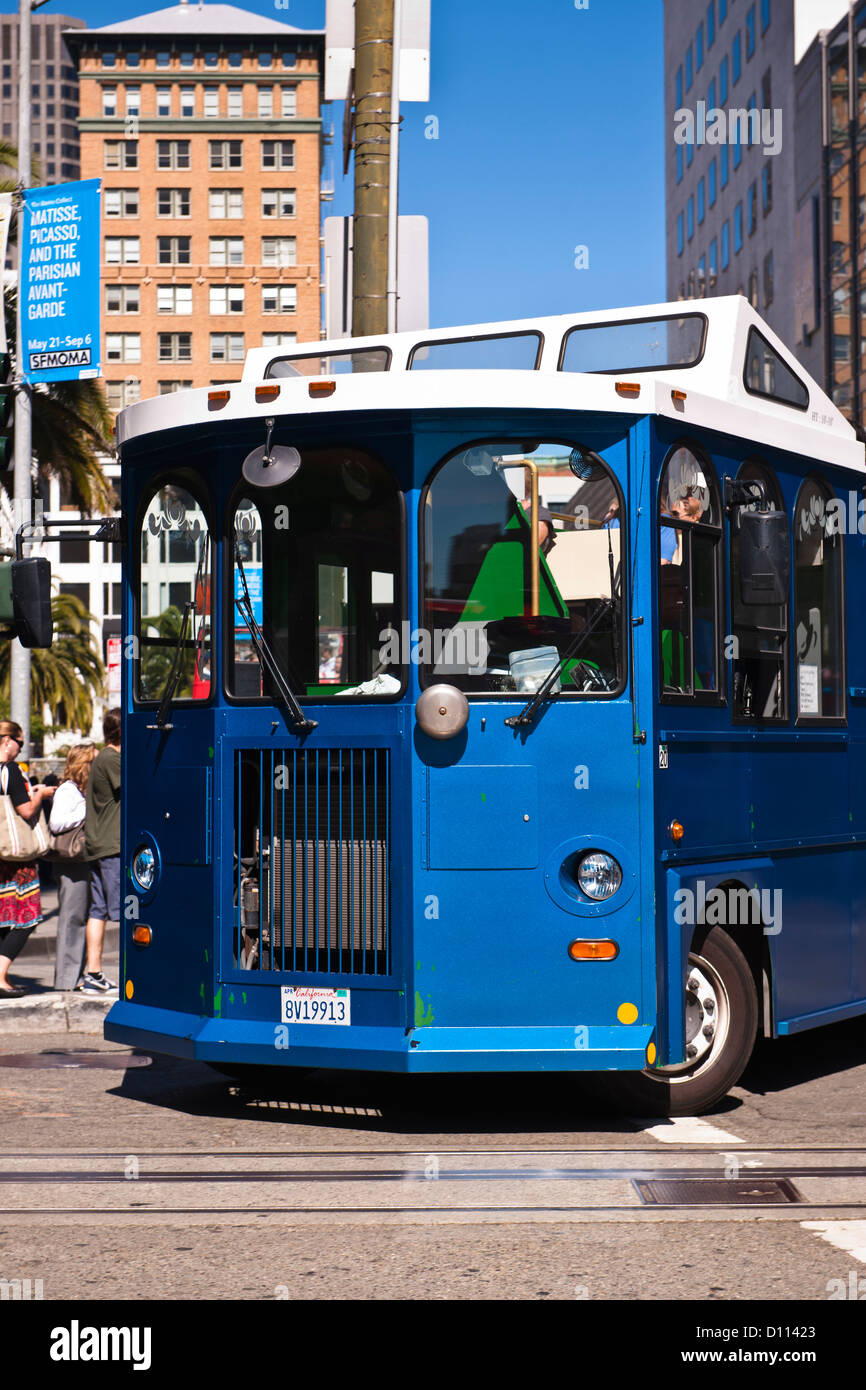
[{"x": 20, "y": 906}]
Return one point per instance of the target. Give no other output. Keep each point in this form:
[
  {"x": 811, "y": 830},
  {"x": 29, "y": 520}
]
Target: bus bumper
[{"x": 569, "y": 1048}]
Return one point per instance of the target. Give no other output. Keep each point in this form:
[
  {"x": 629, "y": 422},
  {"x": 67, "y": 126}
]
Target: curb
[{"x": 55, "y": 1013}]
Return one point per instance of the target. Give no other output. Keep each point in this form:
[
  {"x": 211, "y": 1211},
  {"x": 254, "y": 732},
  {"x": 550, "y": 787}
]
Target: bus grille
[{"x": 312, "y": 860}]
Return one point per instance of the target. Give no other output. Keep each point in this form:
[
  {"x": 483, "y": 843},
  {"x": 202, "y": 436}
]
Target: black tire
[
  {"x": 696, "y": 1085},
  {"x": 259, "y": 1076}
]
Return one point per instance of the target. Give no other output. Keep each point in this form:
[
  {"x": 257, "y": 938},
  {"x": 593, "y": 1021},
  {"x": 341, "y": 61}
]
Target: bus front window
[
  {"x": 321, "y": 557},
  {"x": 497, "y": 618}
]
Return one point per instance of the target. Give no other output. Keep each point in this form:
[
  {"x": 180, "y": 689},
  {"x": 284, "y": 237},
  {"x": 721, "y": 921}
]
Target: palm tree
[{"x": 68, "y": 675}]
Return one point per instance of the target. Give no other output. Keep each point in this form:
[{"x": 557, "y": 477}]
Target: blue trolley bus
[{"x": 488, "y": 705}]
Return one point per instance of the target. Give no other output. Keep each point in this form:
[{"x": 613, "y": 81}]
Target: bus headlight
[
  {"x": 144, "y": 868},
  {"x": 599, "y": 876}
]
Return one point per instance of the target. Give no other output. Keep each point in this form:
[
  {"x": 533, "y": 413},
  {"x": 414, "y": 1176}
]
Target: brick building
[{"x": 204, "y": 124}]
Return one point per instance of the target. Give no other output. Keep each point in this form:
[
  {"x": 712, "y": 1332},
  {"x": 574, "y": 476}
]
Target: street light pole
[
  {"x": 374, "y": 36},
  {"x": 22, "y": 491}
]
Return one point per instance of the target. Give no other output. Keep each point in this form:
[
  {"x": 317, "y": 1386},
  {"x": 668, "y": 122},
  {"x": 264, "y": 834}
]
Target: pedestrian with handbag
[
  {"x": 102, "y": 825},
  {"x": 23, "y": 837},
  {"x": 73, "y": 868}
]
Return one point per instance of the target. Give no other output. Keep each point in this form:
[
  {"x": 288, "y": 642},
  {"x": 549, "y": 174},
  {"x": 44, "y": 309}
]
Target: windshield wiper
[
  {"x": 266, "y": 656},
  {"x": 542, "y": 694}
]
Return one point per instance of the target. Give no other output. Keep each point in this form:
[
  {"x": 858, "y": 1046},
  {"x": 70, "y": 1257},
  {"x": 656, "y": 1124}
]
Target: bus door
[{"x": 531, "y": 829}]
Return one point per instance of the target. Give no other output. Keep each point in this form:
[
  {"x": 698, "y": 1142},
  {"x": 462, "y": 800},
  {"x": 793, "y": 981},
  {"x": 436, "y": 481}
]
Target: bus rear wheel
[{"x": 721, "y": 1027}]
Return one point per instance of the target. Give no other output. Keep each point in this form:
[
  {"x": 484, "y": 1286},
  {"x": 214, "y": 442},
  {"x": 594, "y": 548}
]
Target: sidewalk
[{"x": 44, "y": 1009}]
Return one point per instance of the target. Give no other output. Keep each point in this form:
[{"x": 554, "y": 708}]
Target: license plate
[{"x": 309, "y": 1005}]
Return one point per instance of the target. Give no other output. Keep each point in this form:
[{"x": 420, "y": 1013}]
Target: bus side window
[
  {"x": 818, "y": 632},
  {"x": 689, "y": 551},
  {"x": 759, "y": 652},
  {"x": 174, "y": 596}
]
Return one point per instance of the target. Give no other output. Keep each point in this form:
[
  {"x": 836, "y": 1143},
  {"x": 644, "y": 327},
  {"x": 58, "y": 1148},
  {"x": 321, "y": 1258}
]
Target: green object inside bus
[{"x": 501, "y": 585}]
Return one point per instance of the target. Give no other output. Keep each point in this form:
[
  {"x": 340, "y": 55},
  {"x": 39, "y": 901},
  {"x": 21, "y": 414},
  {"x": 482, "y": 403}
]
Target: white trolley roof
[{"x": 711, "y": 394}]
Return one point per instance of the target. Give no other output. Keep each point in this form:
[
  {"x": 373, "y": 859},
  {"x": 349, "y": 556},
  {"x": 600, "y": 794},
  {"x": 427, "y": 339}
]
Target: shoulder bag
[{"x": 20, "y": 840}]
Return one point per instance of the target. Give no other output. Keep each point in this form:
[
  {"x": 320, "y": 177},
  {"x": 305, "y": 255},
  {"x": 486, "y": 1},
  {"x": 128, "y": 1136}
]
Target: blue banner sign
[{"x": 59, "y": 297}]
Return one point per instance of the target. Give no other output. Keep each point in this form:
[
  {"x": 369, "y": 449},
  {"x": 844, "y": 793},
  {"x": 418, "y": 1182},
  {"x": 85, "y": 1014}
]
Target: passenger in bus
[{"x": 546, "y": 536}]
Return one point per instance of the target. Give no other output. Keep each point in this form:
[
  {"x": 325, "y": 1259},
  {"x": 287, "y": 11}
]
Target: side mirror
[
  {"x": 31, "y": 601},
  {"x": 765, "y": 557}
]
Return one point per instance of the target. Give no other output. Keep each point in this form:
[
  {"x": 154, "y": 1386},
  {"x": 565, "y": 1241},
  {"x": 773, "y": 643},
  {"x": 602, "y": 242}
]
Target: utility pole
[
  {"x": 19, "y": 683},
  {"x": 374, "y": 41}
]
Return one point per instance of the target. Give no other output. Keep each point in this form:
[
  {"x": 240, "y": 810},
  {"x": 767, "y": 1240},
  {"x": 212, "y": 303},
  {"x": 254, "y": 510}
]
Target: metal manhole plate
[
  {"x": 104, "y": 1061},
  {"x": 698, "y": 1192}
]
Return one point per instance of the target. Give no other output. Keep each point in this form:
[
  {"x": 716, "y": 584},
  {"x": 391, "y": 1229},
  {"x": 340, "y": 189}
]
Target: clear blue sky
[{"x": 550, "y": 137}]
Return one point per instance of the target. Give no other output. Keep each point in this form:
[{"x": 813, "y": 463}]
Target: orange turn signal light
[
  {"x": 218, "y": 398},
  {"x": 322, "y": 388},
  {"x": 593, "y": 950},
  {"x": 678, "y": 395},
  {"x": 676, "y": 831},
  {"x": 142, "y": 935},
  {"x": 628, "y": 388},
  {"x": 267, "y": 393}
]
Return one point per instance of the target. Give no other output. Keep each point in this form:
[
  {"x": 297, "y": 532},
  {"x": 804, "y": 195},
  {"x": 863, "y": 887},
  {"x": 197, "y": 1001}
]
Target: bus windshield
[
  {"x": 322, "y": 559},
  {"x": 495, "y": 622}
]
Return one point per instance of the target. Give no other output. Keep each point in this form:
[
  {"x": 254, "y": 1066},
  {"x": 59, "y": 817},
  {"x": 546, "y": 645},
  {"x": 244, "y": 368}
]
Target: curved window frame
[
  {"x": 819, "y": 721},
  {"x": 226, "y": 588},
  {"x": 718, "y": 697},
  {"x": 631, "y": 323},
  {"x": 426, "y": 679},
  {"x": 480, "y": 338},
  {"x": 774, "y": 493},
  {"x": 193, "y": 483}
]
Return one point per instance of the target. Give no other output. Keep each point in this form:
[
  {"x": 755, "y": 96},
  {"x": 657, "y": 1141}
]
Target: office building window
[
  {"x": 211, "y": 59},
  {"x": 738, "y": 228},
  {"x": 226, "y": 250},
  {"x": 172, "y": 202},
  {"x": 226, "y": 299},
  {"x": 690, "y": 218},
  {"x": 109, "y": 101},
  {"x": 121, "y": 202},
  {"x": 117, "y": 154},
  {"x": 226, "y": 347},
  {"x": 163, "y": 101},
  {"x": 122, "y": 250},
  {"x": 109, "y": 60},
  {"x": 738, "y": 149},
  {"x": 278, "y": 154},
  {"x": 678, "y": 87},
  {"x": 752, "y": 209},
  {"x": 266, "y": 60},
  {"x": 133, "y": 60},
  {"x": 768, "y": 280},
  {"x": 226, "y": 202},
  {"x": 680, "y": 238},
  {"x": 173, "y": 250},
  {"x": 280, "y": 202},
  {"x": 724, "y": 157},
  {"x": 753, "y": 289},
  {"x": 187, "y": 102},
  {"x": 690, "y": 76},
  {"x": 289, "y": 101},
  {"x": 737, "y": 58},
  {"x": 123, "y": 347},
  {"x": 226, "y": 154},
  {"x": 699, "y": 48},
  {"x": 765, "y": 16},
  {"x": 266, "y": 102},
  {"x": 723, "y": 11},
  {"x": 726, "y": 245},
  {"x": 702, "y": 275},
  {"x": 767, "y": 91},
  {"x": 279, "y": 250},
  {"x": 711, "y": 95},
  {"x": 702, "y": 201},
  {"x": 679, "y": 163},
  {"x": 290, "y": 60},
  {"x": 690, "y": 154},
  {"x": 711, "y": 181},
  {"x": 123, "y": 299},
  {"x": 168, "y": 388},
  {"x": 172, "y": 154},
  {"x": 211, "y": 102},
  {"x": 174, "y": 347},
  {"x": 187, "y": 59},
  {"x": 275, "y": 340},
  {"x": 723, "y": 81},
  {"x": 163, "y": 60},
  {"x": 133, "y": 101},
  {"x": 767, "y": 187},
  {"x": 235, "y": 98},
  {"x": 714, "y": 259},
  {"x": 174, "y": 299},
  {"x": 236, "y": 60},
  {"x": 283, "y": 299},
  {"x": 118, "y": 395}
]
